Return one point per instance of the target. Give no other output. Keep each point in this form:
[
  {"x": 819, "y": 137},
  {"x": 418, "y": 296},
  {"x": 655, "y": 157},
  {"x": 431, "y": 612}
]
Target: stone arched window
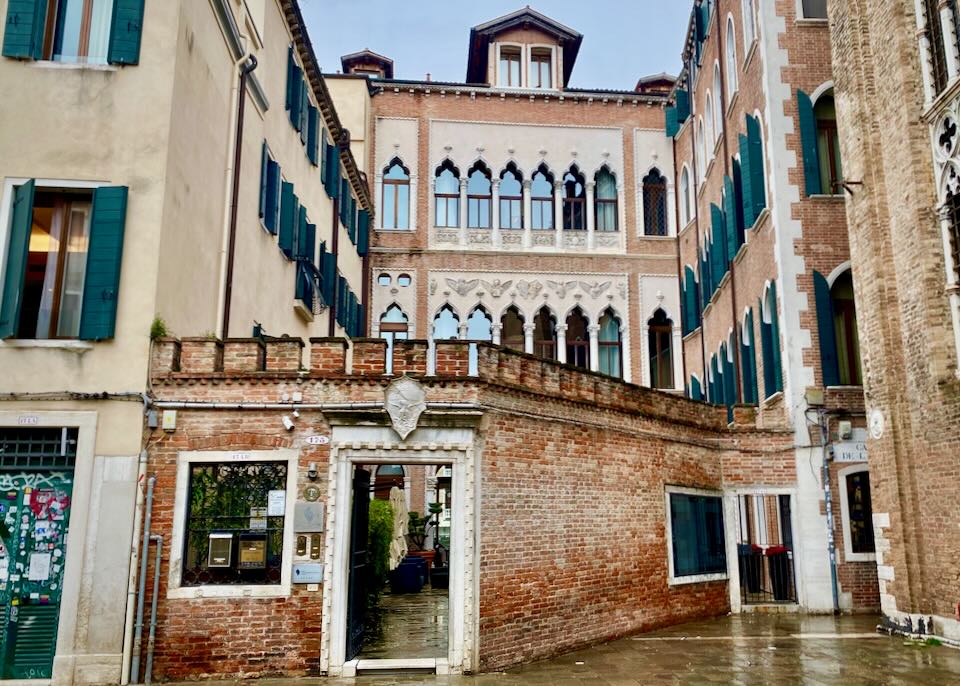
[
  {"x": 685, "y": 214},
  {"x": 749, "y": 25},
  {"x": 578, "y": 339},
  {"x": 446, "y": 325},
  {"x": 731, "y": 48},
  {"x": 574, "y": 201},
  {"x": 606, "y": 200},
  {"x": 828, "y": 145},
  {"x": 541, "y": 198},
  {"x": 511, "y": 329},
  {"x": 937, "y": 58},
  {"x": 511, "y": 198},
  {"x": 609, "y": 346},
  {"x": 660, "y": 350},
  {"x": 395, "y": 205},
  {"x": 479, "y": 197},
  {"x": 717, "y": 103},
  {"x": 394, "y": 326},
  {"x": 479, "y": 328},
  {"x": 545, "y": 334},
  {"x": 845, "y": 330},
  {"x": 701, "y": 155},
  {"x": 655, "y": 204},
  {"x": 710, "y": 130},
  {"x": 446, "y": 194}
]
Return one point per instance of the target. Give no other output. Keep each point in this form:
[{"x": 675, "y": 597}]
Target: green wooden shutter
[
  {"x": 101, "y": 286},
  {"x": 808, "y": 143},
  {"x": 738, "y": 202},
  {"x": 766, "y": 346},
  {"x": 748, "y": 361},
  {"x": 126, "y": 28},
  {"x": 272, "y": 201},
  {"x": 696, "y": 391},
  {"x": 302, "y": 124},
  {"x": 288, "y": 218},
  {"x": 828, "y": 339},
  {"x": 24, "y": 29},
  {"x": 299, "y": 229},
  {"x": 705, "y": 290},
  {"x": 718, "y": 258},
  {"x": 295, "y": 95},
  {"x": 714, "y": 386},
  {"x": 313, "y": 134},
  {"x": 757, "y": 167},
  {"x": 775, "y": 333},
  {"x": 328, "y": 271},
  {"x": 682, "y": 99},
  {"x": 363, "y": 233},
  {"x": 671, "y": 123},
  {"x": 323, "y": 157},
  {"x": 18, "y": 249},
  {"x": 264, "y": 176},
  {"x": 291, "y": 65},
  {"x": 730, "y": 216},
  {"x": 749, "y": 218},
  {"x": 729, "y": 376}
]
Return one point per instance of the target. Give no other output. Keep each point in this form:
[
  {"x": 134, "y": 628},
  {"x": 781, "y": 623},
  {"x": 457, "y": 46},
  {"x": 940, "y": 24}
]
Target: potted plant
[{"x": 417, "y": 532}]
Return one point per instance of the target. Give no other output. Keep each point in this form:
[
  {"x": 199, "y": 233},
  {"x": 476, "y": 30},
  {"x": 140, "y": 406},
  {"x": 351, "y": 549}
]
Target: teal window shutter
[
  {"x": 291, "y": 77},
  {"x": 730, "y": 217},
  {"x": 749, "y": 218},
  {"x": 295, "y": 94},
  {"x": 718, "y": 257},
  {"x": 705, "y": 290},
  {"x": 748, "y": 361},
  {"x": 308, "y": 242},
  {"x": 299, "y": 233},
  {"x": 766, "y": 344},
  {"x": 808, "y": 143},
  {"x": 344, "y": 202},
  {"x": 363, "y": 233},
  {"x": 758, "y": 194},
  {"x": 729, "y": 380},
  {"x": 323, "y": 157},
  {"x": 828, "y": 338},
  {"x": 264, "y": 179},
  {"x": 682, "y": 99},
  {"x": 328, "y": 271},
  {"x": 313, "y": 137},
  {"x": 126, "y": 28},
  {"x": 775, "y": 333},
  {"x": 714, "y": 386},
  {"x": 24, "y": 29},
  {"x": 302, "y": 124},
  {"x": 18, "y": 249},
  {"x": 288, "y": 218},
  {"x": 271, "y": 217},
  {"x": 101, "y": 287},
  {"x": 671, "y": 124},
  {"x": 738, "y": 201},
  {"x": 696, "y": 392}
]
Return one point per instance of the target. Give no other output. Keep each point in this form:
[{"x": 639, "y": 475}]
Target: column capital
[
  {"x": 593, "y": 329},
  {"x": 590, "y": 185},
  {"x": 529, "y": 328},
  {"x": 527, "y": 183}
]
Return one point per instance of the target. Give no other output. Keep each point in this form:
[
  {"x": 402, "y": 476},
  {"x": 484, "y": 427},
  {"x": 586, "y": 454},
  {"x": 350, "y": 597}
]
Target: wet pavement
[
  {"x": 743, "y": 650},
  {"x": 412, "y": 625}
]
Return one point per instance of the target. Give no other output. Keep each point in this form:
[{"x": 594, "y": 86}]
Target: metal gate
[
  {"x": 765, "y": 549},
  {"x": 36, "y": 482},
  {"x": 357, "y": 594}
]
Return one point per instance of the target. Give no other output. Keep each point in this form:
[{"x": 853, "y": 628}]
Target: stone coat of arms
[{"x": 405, "y": 400}]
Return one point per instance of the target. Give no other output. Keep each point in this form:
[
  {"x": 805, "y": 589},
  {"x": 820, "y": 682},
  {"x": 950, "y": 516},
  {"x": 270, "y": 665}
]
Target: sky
[{"x": 432, "y": 36}]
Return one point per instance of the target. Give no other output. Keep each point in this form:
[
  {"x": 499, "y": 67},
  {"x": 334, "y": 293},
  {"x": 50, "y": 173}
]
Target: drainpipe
[
  {"x": 151, "y": 642},
  {"x": 343, "y": 142},
  {"x": 138, "y": 631},
  {"x": 823, "y": 422},
  {"x": 251, "y": 64},
  {"x": 132, "y": 577}
]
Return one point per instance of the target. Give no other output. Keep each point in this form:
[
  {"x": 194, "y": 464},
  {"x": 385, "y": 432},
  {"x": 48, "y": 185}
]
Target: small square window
[
  {"x": 510, "y": 67},
  {"x": 541, "y": 68},
  {"x": 696, "y": 535}
]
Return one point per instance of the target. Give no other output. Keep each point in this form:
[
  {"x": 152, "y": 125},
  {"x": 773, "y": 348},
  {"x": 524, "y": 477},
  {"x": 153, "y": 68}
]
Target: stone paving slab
[{"x": 745, "y": 650}]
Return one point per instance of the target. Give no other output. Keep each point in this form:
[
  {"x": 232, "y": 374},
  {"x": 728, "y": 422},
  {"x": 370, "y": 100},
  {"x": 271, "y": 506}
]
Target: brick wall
[{"x": 573, "y": 545}]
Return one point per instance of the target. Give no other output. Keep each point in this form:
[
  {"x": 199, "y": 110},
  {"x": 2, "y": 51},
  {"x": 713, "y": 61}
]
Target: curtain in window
[
  {"x": 606, "y": 201},
  {"x": 447, "y": 196},
  {"x": 610, "y": 348}
]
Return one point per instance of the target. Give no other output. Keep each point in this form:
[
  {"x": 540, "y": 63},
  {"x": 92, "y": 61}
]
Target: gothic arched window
[
  {"x": 446, "y": 194},
  {"x": 654, "y": 204},
  {"x": 611, "y": 355},
  {"x": 395, "y": 207},
  {"x": 660, "y": 349},
  {"x": 606, "y": 200}
]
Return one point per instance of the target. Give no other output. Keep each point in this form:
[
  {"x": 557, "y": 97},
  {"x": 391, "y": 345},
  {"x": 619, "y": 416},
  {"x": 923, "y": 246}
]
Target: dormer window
[
  {"x": 541, "y": 68},
  {"x": 510, "y": 67}
]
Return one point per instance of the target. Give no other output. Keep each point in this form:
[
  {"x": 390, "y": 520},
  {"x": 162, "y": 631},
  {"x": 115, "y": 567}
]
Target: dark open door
[{"x": 357, "y": 598}]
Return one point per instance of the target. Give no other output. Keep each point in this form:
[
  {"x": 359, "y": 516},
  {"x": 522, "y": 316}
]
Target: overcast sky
[{"x": 622, "y": 39}]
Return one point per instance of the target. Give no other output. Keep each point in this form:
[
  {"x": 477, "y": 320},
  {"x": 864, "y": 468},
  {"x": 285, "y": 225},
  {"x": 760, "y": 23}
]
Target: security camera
[
  {"x": 312, "y": 472},
  {"x": 287, "y": 423}
]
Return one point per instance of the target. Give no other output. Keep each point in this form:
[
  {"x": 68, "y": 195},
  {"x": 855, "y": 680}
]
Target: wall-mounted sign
[
  {"x": 307, "y": 517},
  {"x": 317, "y": 440},
  {"x": 220, "y": 550},
  {"x": 276, "y": 503},
  {"x": 28, "y": 420},
  {"x": 850, "y": 451},
  {"x": 308, "y": 573}
]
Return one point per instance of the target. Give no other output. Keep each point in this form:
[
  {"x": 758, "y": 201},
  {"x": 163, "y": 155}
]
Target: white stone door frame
[{"x": 380, "y": 447}]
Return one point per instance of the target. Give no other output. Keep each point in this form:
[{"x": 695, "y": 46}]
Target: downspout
[
  {"x": 823, "y": 422},
  {"x": 722, "y": 97},
  {"x": 144, "y": 549},
  {"x": 680, "y": 272},
  {"x": 235, "y": 194},
  {"x": 132, "y": 576},
  {"x": 343, "y": 142}
]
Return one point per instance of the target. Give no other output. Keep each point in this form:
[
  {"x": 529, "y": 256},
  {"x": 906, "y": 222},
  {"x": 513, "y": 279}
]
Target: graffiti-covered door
[{"x": 36, "y": 483}]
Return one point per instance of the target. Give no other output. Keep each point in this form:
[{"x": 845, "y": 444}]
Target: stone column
[
  {"x": 672, "y": 219},
  {"x": 626, "y": 359},
  {"x": 495, "y": 330},
  {"x": 527, "y": 215},
  {"x": 412, "y": 212},
  {"x": 926, "y": 67},
  {"x": 495, "y": 213},
  {"x": 378, "y": 198},
  {"x": 528, "y": 330},
  {"x": 593, "y": 331},
  {"x": 463, "y": 330},
  {"x": 949, "y": 39},
  {"x": 558, "y": 211},
  {"x": 591, "y": 214},
  {"x": 561, "y": 343},
  {"x": 463, "y": 212}
]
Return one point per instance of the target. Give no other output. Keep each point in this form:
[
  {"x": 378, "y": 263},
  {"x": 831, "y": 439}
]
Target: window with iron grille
[
  {"x": 655, "y": 204},
  {"x": 231, "y": 537},
  {"x": 37, "y": 448},
  {"x": 938, "y": 53}
]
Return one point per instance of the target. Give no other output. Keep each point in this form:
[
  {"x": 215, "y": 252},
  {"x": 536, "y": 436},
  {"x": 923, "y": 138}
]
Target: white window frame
[
  {"x": 718, "y": 109},
  {"x": 749, "y": 29},
  {"x": 523, "y": 66},
  {"x": 733, "y": 79},
  {"x": 695, "y": 578},
  {"x": 181, "y": 497},
  {"x": 848, "y": 554},
  {"x": 528, "y": 53}
]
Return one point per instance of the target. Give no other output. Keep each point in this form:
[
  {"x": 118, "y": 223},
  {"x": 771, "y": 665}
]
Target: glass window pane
[
  {"x": 74, "y": 271},
  {"x": 403, "y": 207},
  {"x": 389, "y": 208},
  {"x": 100, "y": 31},
  {"x": 69, "y": 19}
]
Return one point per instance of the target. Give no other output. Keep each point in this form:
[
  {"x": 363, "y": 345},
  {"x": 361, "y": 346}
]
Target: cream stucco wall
[{"x": 352, "y": 100}]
